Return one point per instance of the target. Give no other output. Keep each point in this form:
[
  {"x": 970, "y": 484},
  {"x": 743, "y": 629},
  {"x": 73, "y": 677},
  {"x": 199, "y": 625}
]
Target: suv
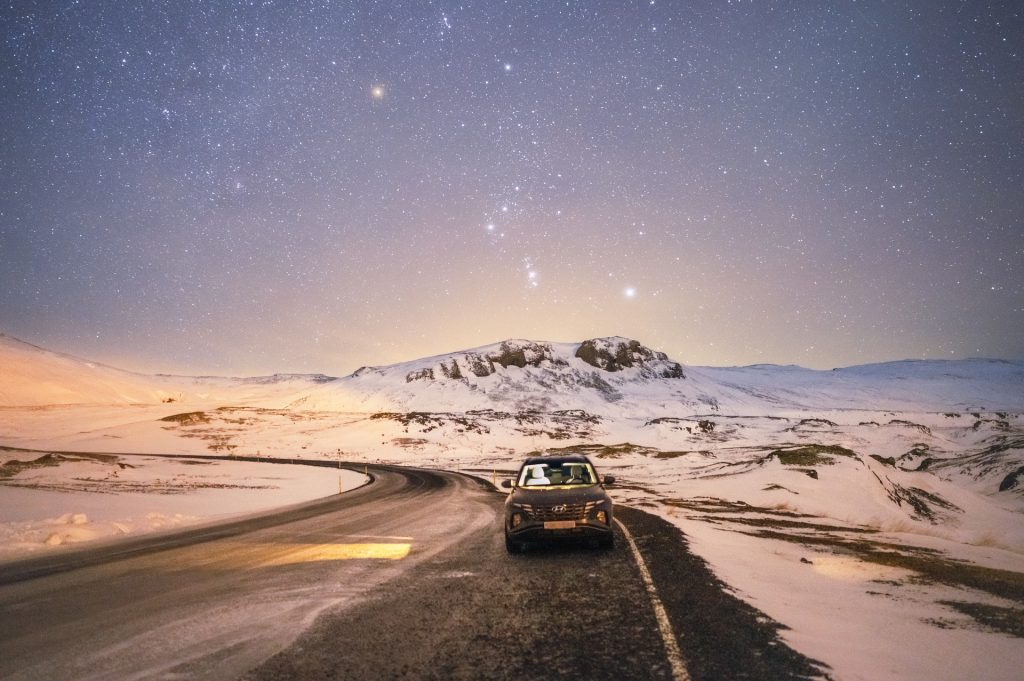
[{"x": 557, "y": 497}]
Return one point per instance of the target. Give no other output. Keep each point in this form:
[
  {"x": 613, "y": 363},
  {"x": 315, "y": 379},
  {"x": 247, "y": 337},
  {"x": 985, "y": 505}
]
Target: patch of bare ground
[
  {"x": 557, "y": 434},
  {"x": 188, "y": 418},
  {"x": 215, "y": 428},
  {"x": 602, "y": 451},
  {"x": 622, "y": 485},
  {"x": 410, "y": 442},
  {"x": 11, "y": 468},
  {"x": 811, "y": 455},
  {"x": 986, "y": 616},
  {"x": 217, "y": 440},
  {"x": 555, "y": 425},
  {"x": 928, "y": 566},
  {"x": 740, "y": 512},
  {"x": 672, "y": 454},
  {"x": 427, "y": 421}
]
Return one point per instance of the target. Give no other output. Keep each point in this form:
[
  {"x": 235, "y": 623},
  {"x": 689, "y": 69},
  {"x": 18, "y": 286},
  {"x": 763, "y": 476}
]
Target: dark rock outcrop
[{"x": 615, "y": 354}]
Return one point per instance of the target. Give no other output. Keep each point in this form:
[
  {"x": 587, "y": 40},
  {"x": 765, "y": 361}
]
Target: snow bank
[{"x": 57, "y": 500}]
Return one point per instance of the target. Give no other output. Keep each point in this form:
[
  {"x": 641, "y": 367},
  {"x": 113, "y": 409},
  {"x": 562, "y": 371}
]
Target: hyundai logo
[{"x": 558, "y": 509}]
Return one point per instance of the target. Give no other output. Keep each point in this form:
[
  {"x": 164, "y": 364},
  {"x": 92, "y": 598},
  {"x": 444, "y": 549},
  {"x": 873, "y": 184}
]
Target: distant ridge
[{"x": 610, "y": 375}]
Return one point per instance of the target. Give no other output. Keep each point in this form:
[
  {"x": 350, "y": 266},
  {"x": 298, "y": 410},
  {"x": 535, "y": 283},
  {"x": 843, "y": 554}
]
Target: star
[{"x": 769, "y": 178}]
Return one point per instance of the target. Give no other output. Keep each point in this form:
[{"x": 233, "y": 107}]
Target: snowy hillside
[
  {"x": 607, "y": 375},
  {"x": 621, "y": 377},
  {"x": 893, "y": 493},
  {"x": 33, "y": 376},
  {"x": 614, "y": 377},
  {"x": 922, "y": 385}
]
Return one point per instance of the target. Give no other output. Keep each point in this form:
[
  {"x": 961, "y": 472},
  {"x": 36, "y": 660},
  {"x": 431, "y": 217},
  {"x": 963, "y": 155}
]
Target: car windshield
[{"x": 556, "y": 473}]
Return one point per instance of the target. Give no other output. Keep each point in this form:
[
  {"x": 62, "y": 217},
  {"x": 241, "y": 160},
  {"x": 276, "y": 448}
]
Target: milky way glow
[{"x": 237, "y": 188}]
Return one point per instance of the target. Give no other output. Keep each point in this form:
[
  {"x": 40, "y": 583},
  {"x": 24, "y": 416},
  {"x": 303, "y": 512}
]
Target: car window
[
  {"x": 557, "y": 473},
  {"x": 578, "y": 474},
  {"x": 534, "y": 475}
]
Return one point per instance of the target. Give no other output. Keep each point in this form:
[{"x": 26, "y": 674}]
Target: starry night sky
[{"x": 291, "y": 185}]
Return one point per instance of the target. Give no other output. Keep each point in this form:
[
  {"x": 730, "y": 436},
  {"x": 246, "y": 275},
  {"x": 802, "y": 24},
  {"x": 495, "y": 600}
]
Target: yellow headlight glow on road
[
  {"x": 318, "y": 552},
  {"x": 255, "y": 555}
]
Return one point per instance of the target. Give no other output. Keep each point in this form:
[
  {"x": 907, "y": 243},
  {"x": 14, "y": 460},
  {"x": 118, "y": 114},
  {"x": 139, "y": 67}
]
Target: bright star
[
  {"x": 377, "y": 92},
  {"x": 630, "y": 292}
]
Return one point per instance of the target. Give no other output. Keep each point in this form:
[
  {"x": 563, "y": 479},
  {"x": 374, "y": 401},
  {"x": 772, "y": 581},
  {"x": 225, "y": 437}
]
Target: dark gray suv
[{"x": 557, "y": 497}]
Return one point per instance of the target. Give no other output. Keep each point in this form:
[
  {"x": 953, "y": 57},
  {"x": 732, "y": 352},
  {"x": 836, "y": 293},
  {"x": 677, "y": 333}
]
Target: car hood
[{"x": 558, "y": 495}]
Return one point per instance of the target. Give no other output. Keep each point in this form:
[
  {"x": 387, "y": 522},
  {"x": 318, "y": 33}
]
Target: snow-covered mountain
[
  {"x": 34, "y": 376},
  {"x": 921, "y": 385},
  {"x": 601, "y": 375},
  {"x": 606, "y": 376},
  {"x": 619, "y": 376}
]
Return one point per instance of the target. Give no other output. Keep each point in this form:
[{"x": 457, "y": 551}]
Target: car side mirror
[
  {"x": 507, "y": 484},
  {"x": 609, "y": 479}
]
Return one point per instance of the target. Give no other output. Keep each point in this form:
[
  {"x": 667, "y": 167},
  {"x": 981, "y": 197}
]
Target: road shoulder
[{"x": 720, "y": 636}]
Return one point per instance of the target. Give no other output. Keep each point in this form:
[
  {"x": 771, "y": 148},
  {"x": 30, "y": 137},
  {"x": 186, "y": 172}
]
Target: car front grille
[{"x": 559, "y": 511}]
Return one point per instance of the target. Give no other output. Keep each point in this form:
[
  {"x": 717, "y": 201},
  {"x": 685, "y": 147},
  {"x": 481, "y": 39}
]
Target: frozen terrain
[
  {"x": 51, "y": 500},
  {"x": 876, "y": 511}
]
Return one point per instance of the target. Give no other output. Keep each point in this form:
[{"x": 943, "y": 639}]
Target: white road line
[{"x": 668, "y": 637}]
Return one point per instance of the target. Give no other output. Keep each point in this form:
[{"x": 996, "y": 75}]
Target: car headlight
[
  {"x": 517, "y": 519},
  {"x": 601, "y": 517}
]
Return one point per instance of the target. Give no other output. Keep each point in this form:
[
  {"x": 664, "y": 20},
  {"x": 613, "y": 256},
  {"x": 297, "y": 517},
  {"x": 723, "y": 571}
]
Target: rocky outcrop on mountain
[
  {"x": 1012, "y": 480},
  {"x": 519, "y": 375},
  {"x": 618, "y": 354},
  {"x": 625, "y": 358},
  {"x": 525, "y": 353},
  {"x": 510, "y": 353},
  {"x": 420, "y": 375}
]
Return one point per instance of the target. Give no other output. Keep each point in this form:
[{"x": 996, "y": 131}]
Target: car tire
[
  {"x": 606, "y": 544},
  {"x": 513, "y": 546}
]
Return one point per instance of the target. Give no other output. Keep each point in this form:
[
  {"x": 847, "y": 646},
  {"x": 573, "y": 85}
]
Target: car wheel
[
  {"x": 606, "y": 543},
  {"x": 512, "y": 546}
]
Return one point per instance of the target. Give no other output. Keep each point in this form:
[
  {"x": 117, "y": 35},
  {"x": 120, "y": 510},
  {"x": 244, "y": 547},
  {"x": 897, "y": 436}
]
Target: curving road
[{"x": 404, "y": 578}]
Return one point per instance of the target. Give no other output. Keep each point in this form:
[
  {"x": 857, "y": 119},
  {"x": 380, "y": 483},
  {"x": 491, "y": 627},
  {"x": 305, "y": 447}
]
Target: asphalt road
[{"x": 405, "y": 578}]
